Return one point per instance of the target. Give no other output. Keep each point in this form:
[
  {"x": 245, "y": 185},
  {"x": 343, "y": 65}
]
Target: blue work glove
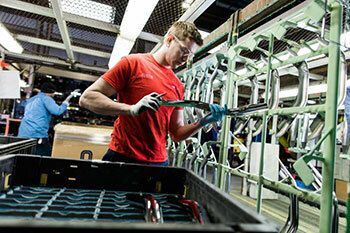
[{"x": 216, "y": 114}]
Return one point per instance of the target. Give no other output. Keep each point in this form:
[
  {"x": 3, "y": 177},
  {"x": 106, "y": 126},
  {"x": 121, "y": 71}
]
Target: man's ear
[{"x": 169, "y": 38}]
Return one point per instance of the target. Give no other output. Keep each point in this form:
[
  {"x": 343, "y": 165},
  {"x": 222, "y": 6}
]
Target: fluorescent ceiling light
[
  {"x": 186, "y": 4},
  {"x": 313, "y": 89},
  {"x": 90, "y": 9},
  {"x": 135, "y": 17},
  {"x": 7, "y": 40},
  {"x": 121, "y": 48}
]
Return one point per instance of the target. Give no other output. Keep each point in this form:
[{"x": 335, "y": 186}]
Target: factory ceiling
[{"x": 65, "y": 37}]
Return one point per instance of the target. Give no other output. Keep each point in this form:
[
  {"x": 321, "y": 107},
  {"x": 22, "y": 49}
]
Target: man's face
[{"x": 179, "y": 51}]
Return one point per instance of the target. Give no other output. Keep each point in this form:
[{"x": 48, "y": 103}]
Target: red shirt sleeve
[{"x": 119, "y": 75}]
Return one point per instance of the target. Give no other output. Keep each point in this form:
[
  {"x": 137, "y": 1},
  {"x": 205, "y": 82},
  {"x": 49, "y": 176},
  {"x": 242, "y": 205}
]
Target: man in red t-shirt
[{"x": 141, "y": 81}]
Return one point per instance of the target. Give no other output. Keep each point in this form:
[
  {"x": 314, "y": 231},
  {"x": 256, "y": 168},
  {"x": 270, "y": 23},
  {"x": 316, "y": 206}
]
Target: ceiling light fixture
[
  {"x": 8, "y": 42},
  {"x": 186, "y": 4},
  {"x": 313, "y": 89},
  {"x": 90, "y": 9},
  {"x": 135, "y": 17}
]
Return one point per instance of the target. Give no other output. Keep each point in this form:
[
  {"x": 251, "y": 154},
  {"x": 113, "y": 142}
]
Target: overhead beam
[
  {"x": 62, "y": 26},
  {"x": 195, "y": 10},
  {"x": 77, "y": 19},
  {"x": 58, "y": 45},
  {"x": 50, "y": 61},
  {"x": 66, "y": 74}
]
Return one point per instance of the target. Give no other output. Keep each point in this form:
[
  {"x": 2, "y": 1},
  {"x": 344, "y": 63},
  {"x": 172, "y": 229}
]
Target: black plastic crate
[
  {"x": 15, "y": 145},
  {"x": 40, "y": 194}
]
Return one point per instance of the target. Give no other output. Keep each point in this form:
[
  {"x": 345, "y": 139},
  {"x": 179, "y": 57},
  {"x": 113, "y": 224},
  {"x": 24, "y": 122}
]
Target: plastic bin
[
  {"x": 221, "y": 213},
  {"x": 15, "y": 145}
]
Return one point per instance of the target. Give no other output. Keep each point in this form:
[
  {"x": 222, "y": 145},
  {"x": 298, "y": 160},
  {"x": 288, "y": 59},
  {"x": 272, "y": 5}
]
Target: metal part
[
  {"x": 300, "y": 101},
  {"x": 333, "y": 76},
  {"x": 244, "y": 110}
]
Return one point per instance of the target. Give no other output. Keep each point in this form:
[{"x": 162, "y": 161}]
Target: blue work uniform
[
  {"x": 347, "y": 107},
  {"x": 37, "y": 117}
]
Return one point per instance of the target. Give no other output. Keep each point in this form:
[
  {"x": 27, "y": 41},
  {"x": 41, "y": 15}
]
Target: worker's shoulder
[
  {"x": 136, "y": 57},
  {"x": 46, "y": 97}
]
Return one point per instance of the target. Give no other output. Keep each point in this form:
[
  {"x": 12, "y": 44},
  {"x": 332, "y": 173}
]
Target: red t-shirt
[{"x": 142, "y": 137}]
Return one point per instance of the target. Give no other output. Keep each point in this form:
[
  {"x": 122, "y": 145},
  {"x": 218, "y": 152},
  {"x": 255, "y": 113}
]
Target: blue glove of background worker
[
  {"x": 150, "y": 101},
  {"x": 216, "y": 114}
]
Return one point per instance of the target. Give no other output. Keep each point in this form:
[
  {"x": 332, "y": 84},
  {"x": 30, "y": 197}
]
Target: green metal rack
[{"x": 307, "y": 14}]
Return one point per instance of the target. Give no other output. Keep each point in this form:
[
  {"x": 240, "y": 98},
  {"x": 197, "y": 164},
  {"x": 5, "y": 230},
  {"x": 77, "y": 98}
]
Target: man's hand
[
  {"x": 216, "y": 114},
  {"x": 74, "y": 93},
  {"x": 150, "y": 101}
]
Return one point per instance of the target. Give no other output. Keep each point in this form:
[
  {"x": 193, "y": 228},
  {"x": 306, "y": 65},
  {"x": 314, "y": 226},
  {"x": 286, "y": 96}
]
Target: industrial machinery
[{"x": 249, "y": 71}]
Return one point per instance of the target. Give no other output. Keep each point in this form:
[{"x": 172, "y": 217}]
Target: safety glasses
[{"x": 184, "y": 50}]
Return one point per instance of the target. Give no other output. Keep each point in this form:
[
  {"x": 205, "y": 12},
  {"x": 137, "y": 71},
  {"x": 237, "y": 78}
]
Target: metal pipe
[
  {"x": 316, "y": 127},
  {"x": 253, "y": 100},
  {"x": 303, "y": 78},
  {"x": 305, "y": 130},
  {"x": 209, "y": 93},
  {"x": 342, "y": 80},
  {"x": 200, "y": 83},
  {"x": 264, "y": 129},
  {"x": 273, "y": 100},
  {"x": 300, "y": 101},
  {"x": 293, "y": 132},
  {"x": 226, "y": 123},
  {"x": 333, "y": 76},
  {"x": 275, "y": 90}
]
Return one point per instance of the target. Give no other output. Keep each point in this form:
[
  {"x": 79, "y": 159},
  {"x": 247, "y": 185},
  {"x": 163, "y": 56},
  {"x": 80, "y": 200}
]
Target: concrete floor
[{"x": 277, "y": 210}]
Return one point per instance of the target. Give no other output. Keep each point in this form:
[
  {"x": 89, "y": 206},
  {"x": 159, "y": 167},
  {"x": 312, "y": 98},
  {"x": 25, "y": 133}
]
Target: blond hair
[{"x": 183, "y": 30}]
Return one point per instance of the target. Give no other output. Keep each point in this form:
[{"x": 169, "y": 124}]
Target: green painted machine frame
[{"x": 307, "y": 13}]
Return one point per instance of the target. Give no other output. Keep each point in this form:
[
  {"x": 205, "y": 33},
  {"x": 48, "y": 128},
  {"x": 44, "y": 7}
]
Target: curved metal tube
[
  {"x": 191, "y": 85},
  {"x": 294, "y": 132},
  {"x": 200, "y": 83},
  {"x": 255, "y": 90},
  {"x": 201, "y": 80},
  {"x": 303, "y": 78},
  {"x": 210, "y": 83},
  {"x": 253, "y": 100},
  {"x": 274, "y": 98},
  {"x": 301, "y": 99},
  {"x": 342, "y": 81},
  {"x": 305, "y": 129},
  {"x": 316, "y": 127},
  {"x": 240, "y": 126},
  {"x": 275, "y": 90},
  {"x": 342, "y": 94},
  {"x": 208, "y": 93}
]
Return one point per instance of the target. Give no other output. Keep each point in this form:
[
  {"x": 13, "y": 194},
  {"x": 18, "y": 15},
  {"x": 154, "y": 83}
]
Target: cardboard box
[
  {"x": 72, "y": 139},
  {"x": 342, "y": 189}
]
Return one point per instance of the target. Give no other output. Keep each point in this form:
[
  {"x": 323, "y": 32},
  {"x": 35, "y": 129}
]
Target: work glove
[
  {"x": 216, "y": 114},
  {"x": 74, "y": 93},
  {"x": 150, "y": 101}
]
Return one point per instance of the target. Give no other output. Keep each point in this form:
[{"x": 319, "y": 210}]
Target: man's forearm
[
  {"x": 101, "y": 104},
  {"x": 186, "y": 131}
]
